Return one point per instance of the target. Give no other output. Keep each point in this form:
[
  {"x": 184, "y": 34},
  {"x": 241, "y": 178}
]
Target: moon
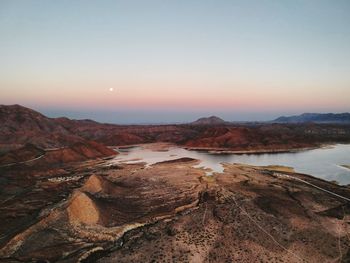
[{"x": 111, "y": 89}]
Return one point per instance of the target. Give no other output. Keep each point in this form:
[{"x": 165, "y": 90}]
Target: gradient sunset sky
[{"x": 174, "y": 61}]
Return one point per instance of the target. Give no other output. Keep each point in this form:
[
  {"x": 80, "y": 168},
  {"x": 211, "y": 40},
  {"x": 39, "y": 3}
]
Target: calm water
[{"x": 323, "y": 163}]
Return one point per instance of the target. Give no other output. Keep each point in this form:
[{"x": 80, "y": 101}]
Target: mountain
[
  {"x": 212, "y": 120},
  {"x": 16, "y": 118},
  {"x": 26, "y": 135},
  {"x": 21, "y": 125},
  {"x": 315, "y": 117}
]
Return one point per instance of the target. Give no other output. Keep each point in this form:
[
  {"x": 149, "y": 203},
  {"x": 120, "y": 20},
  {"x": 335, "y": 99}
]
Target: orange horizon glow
[{"x": 157, "y": 97}]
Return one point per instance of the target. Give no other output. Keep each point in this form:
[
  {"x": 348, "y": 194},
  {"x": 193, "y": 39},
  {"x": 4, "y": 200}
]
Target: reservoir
[{"x": 323, "y": 163}]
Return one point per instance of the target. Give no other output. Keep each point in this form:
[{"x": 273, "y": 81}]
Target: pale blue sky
[{"x": 245, "y": 59}]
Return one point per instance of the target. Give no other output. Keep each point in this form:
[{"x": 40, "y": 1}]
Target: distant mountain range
[
  {"x": 316, "y": 118},
  {"x": 305, "y": 117},
  {"x": 21, "y": 126},
  {"x": 31, "y": 138}
]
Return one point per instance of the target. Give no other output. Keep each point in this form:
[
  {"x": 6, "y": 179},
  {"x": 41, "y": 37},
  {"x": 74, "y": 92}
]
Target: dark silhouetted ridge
[
  {"x": 315, "y": 117},
  {"x": 212, "y": 120}
]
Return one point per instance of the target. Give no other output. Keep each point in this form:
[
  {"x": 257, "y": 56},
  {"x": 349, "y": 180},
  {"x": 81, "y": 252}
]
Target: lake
[{"x": 324, "y": 163}]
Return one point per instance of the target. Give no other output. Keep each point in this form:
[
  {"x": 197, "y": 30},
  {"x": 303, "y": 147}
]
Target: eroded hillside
[{"x": 92, "y": 211}]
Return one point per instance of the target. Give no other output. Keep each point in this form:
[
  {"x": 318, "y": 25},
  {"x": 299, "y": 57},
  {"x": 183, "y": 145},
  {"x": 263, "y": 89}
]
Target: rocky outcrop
[{"x": 82, "y": 209}]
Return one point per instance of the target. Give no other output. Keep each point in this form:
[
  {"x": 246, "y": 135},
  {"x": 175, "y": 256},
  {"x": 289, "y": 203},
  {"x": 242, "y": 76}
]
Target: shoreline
[
  {"x": 164, "y": 146},
  {"x": 262, "y": 151},
  {"x": 346, "y": 166}
]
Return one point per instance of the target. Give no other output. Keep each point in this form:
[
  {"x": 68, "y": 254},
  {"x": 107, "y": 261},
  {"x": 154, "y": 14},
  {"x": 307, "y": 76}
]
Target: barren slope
[{"x": 173, "y": 212}]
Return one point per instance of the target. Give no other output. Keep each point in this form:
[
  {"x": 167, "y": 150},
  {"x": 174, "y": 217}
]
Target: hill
[
  {"x": 21, "y": 125},
  {"x": 212, "y": 120},
  {"x": 26, "y": 135}
]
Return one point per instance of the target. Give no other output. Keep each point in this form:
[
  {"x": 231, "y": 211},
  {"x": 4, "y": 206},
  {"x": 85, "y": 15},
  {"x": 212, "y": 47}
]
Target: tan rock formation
[{"x": 82, "y": 209}]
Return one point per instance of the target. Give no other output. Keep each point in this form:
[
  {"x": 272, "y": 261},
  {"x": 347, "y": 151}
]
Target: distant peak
[{"x": 212, "y": 120}]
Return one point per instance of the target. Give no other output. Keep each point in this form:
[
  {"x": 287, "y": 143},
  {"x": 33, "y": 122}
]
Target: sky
[{"x": 174, "y": 61}]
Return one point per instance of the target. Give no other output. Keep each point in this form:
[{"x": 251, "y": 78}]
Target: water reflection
[{"x": 323, "y": 163}]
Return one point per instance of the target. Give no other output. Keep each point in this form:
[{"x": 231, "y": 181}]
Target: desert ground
[{"x": 99, "y": 211}]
